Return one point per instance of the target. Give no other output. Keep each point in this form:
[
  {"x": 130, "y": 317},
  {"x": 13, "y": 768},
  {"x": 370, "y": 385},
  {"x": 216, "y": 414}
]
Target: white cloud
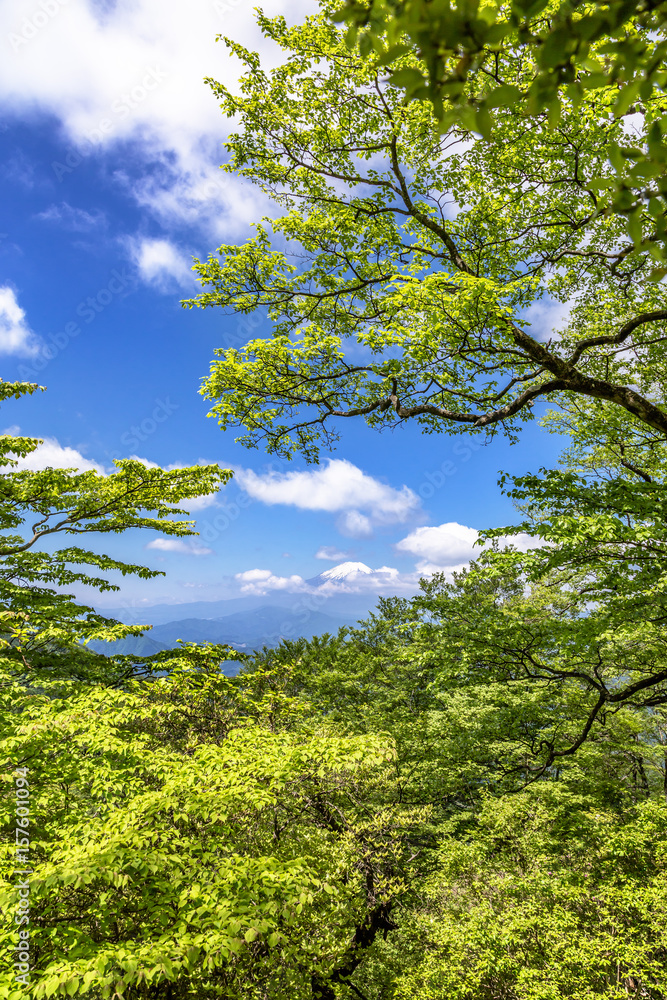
[
  {"x": 53, "y": 455},
  {"x": 191, "y": 190},
  {"x": 331, "y": 553},
  {"x": 443, "y": 546},
  {"x": 547, "y": 318},
  {"x": 338, "y": 486},
  {"x": 346, "y": 578},
  {"x": 193, "y": 504},
  {"x": 16, "y": 337},
  {"x": 353, "y": 524},
  {"x": 144, "y": 461},
  {"x": 186, "y": 547},
  {"x": 449, "y": 546},
  {"x": 132, "y": 72},
  {"x": 76, "y": 219},
  {"x": 160, "y": 264},
  {"x": 261, "y": 581}
]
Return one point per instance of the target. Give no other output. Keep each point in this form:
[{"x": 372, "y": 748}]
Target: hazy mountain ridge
[
  {"x": 347, "y": 606},
  {"x": 266, "y": 625},
  {"x": 247, "y": 623}
]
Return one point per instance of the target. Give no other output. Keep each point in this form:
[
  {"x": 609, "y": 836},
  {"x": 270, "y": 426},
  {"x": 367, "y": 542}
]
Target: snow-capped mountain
[
  {"x": 352, "y": 573},
  {"x": 345, "y": 571}
]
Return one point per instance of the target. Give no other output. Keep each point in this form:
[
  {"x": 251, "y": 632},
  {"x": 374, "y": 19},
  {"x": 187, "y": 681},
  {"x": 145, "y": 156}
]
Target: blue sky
[{"x": 110, "y": 150}]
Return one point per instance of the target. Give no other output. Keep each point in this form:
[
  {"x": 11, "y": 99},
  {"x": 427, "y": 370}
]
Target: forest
[{"x": 464, "y": 796}]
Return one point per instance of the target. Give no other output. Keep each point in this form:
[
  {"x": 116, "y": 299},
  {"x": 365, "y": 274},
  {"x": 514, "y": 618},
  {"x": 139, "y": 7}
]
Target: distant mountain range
[
  {"x": 247, "y": 630},
  {"x": 249, "y": 623}
]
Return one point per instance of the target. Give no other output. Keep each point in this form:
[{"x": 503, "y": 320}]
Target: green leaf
[{"x": 504, "y": 96}]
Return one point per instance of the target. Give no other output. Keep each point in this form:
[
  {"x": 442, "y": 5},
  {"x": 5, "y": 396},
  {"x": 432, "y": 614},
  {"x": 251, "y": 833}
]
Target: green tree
[
  {"x": 567, "y": 50},
  {"x": 544, "y": 895},
  {"x": 335, "y": 822},
  {"x": 42, "y": 626},
  {"x": 399, "y": 277},
  {"x": 531, "y": 746},
  {"x": 327, "y": 825},
  {"x": 192, "y": 836}
]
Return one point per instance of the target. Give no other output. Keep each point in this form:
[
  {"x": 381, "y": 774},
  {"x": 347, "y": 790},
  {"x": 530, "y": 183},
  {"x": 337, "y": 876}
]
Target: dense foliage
[
  {"x": 401, "y": 274},
  {"x": 465, "y": 796},
  {"x": 367, "y": 815},
  {"x": 568, "y": 49}
]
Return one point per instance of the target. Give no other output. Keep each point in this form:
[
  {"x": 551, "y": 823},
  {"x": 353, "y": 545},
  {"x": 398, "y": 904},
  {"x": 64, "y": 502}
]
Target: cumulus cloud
[
  {"x": 446, "y": 545},
  {"x": 132, "y": 73},
  {"x": 145, "y": 461},
  {"x": 160, "y": 264},
  {"x": 450, "y": 546},
  {"x": 354, "y": 524},
  {"x": 193, "y": 504},
  {"x": 16, "y": 337},
  {"x": 262, "y": 581},
  {"x": 51, "y": 454},
  {"x": 187, "y": 547},
  {"x": 190, "y": 190},
  {"x": 337, "y": 486}
]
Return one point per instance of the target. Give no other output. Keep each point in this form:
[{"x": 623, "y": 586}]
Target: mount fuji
[
  {"x": 344, "y": 571},
  {"x": 355, "y": 574}
]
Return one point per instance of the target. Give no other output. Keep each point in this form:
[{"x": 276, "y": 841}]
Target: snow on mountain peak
[{"x": 345, "y": 570}]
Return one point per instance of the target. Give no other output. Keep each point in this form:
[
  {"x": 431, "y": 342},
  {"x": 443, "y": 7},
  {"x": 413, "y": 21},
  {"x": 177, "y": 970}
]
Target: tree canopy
[
  {"x": 568, "y": 49},
  {"x": 465, "y": 795},
  {"x": 344, "y": 819},
  {"x": 37, "y": 618},
  {"x": 400, "y": 276}
]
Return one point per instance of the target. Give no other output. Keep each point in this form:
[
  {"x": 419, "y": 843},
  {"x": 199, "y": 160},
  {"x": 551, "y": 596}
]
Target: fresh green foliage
[
  {"x": 399, "y": 277},
  {"x": 192, "y": 832},
  {"x": 464, "y": 797},
  {"x": 568, "y": 50},
  {"x": 336, "y": 821},
  {"x": 38, "y": 619},
  {"x": 545, "y": 896}
]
